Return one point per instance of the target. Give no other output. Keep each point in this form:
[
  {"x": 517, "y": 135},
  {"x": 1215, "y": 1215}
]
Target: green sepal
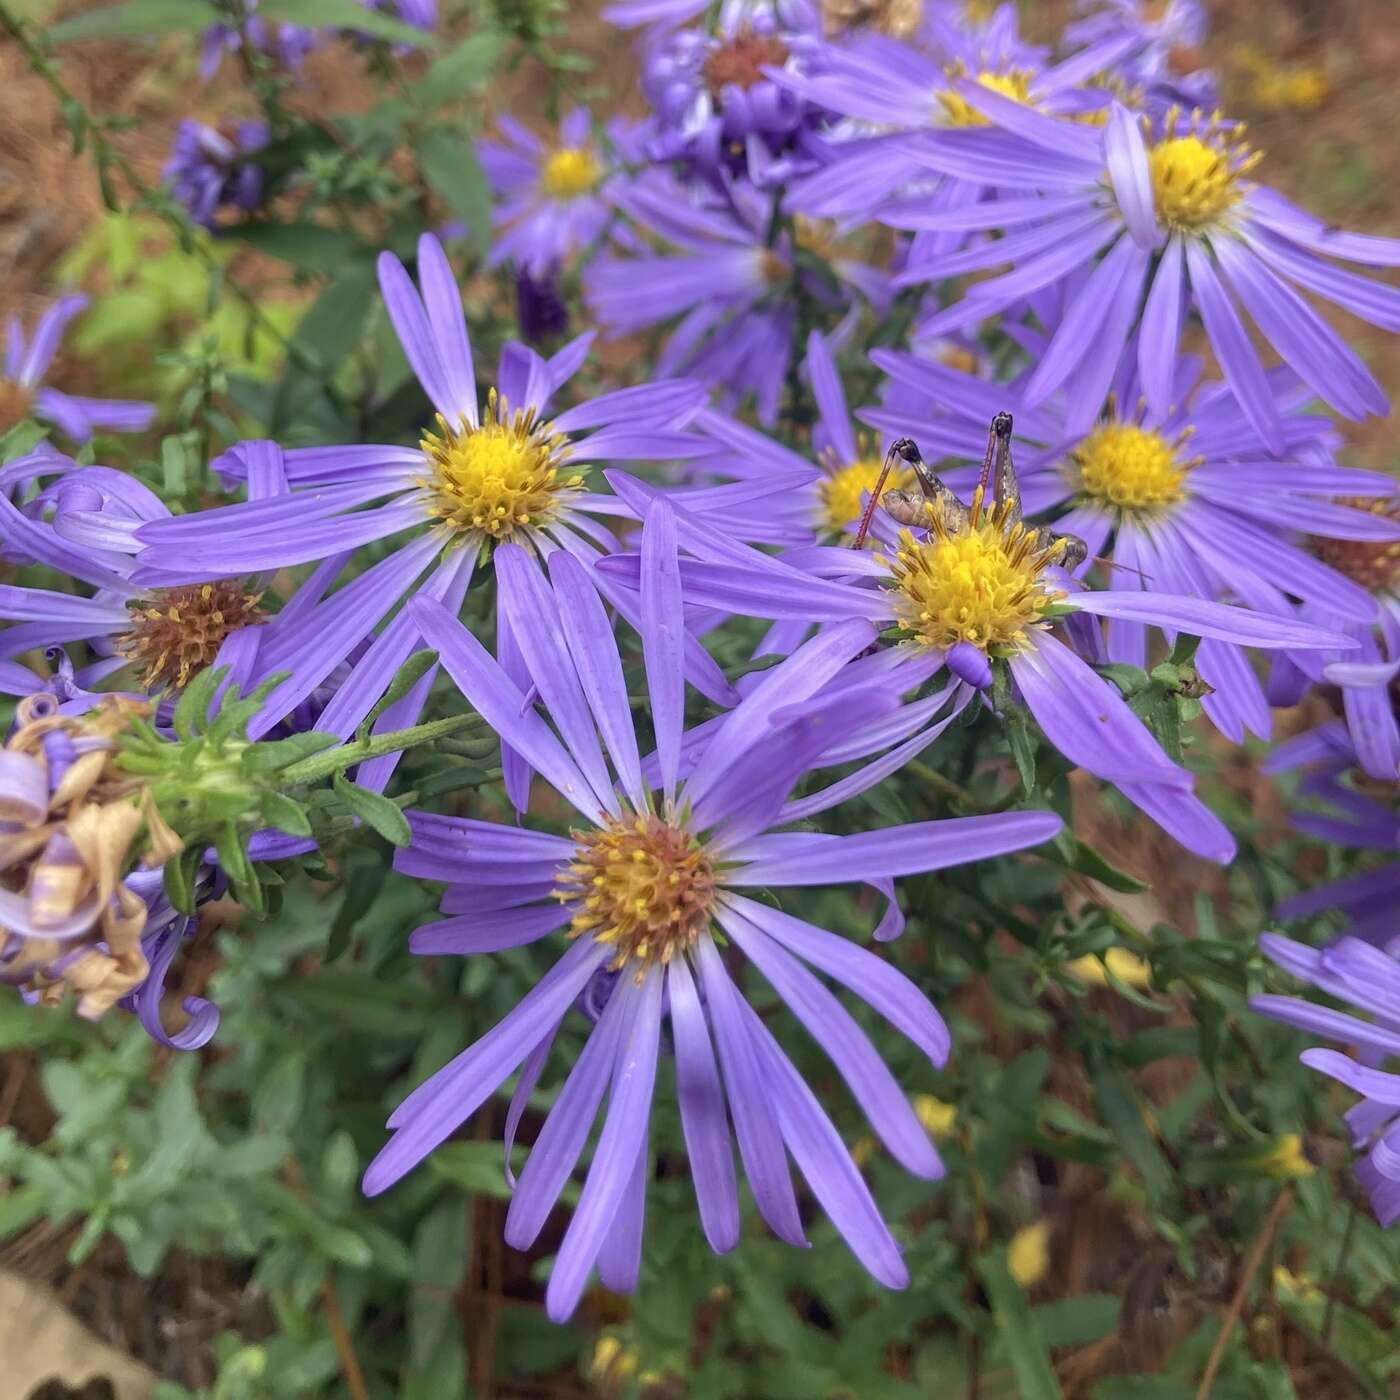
[{"x": 375, "y": 810}]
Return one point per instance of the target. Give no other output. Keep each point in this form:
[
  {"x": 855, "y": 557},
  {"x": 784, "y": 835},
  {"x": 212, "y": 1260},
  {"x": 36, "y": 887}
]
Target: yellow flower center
[
  {"x": 571, "y": 172},
  {"x": 1129, "y": 467},
  {"x": 644, "y": 887},
  {"x": 1374, "y": 564},
  {"x": 177, "y": 632},
  {"x": 1197, "y": 178},
  {"x": 979, "y": 583},
  {"x": 842, "y": 493},
  {"x": 1015, "y": 84},
  {"x": 500, "y": 478}
]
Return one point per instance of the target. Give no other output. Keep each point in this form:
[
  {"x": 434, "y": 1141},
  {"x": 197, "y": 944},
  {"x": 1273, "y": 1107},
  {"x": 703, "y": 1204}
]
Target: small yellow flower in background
[
  {"x": 936, "y": 1116},
  {"x": 611, "y": 1358},
  {"x": 1286, "y": 1158},
  {"x": 1278, "y": 87},
  {"x": 1300, "y": 1286},
  {"x": 1127, "y": 967},
  {"x": 1028, "y": 1254},
  {"x": 863, "y": 1150}
]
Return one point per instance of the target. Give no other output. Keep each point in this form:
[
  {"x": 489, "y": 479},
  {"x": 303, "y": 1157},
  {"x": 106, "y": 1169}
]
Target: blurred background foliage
[{"x": 1129, "y": 1154}]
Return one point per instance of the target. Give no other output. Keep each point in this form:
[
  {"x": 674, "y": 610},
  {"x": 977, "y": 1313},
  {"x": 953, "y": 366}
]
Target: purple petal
[
  {"x": 830, "y": 397},
  {"x": 443, "y": 303},
  {"x": 415, "y": 333},
  {"x": 1202, "y": 618},
  {"x": 1129, "y": 175},
  {"x": 1160, "y": 338},
  {"x": 47, "y": 334},
  {"x": 662, "y": 629},
  {"x": 487, "y": 932}
]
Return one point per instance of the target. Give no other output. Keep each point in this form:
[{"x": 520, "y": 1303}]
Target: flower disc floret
[
  {"x": 644, "y": 886},
  {"x": 980, "y": 583},
  {"x": 500, "y": 478},
  {"x": 740, "y": 61},
  {"x": 843, "y": 493},
  {"x": 1130, "y": 468},
  {"x": 570, "y": 172},
  {"x": 1197, "y": 176},
  {"x": 1014, "y": 84},
  {"x": 176, "y": 632}
]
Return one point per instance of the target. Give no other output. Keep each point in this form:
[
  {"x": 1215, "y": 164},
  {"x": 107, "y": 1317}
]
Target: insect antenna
[
  {"x": 1114, "y": 564},
  {"x": 875, "y": 494}
]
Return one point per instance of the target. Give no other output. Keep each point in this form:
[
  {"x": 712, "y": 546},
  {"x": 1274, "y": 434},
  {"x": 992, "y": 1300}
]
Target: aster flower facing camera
[
  {"x": 730, "y": 284},
  {"x": 208, "y": 171},
  {"x": 23, "y": 393},
  {"x": 717, "y": 110},
  {"x": 1368, "y": 980},
  {"x": 476, "y": 480},
  {"x": 1188, "y": 502},
  {"x": 975, "y": 585},
  {"x": 552, "y": 195},
  {"x": 645, "y": 885},
  {"x": 1138, "y": 223}
]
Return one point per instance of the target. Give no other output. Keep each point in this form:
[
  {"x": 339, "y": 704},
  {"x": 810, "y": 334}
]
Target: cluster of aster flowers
[{"x": 793, "y": 222}]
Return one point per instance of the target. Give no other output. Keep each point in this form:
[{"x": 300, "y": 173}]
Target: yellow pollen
[
  {"x": 842, "y": 493},
  {"x": 177, "y": 632},
  {"x": 980, "y": 583},
  {"x": 1015, "y": 84},
  {"x": 1197, "y": 177},
  {"x": 1129, "y": 467},
  {"x": 500, "y": 478},
  {"x": 652, "y": 887},
  {"x": 570, "y": 172}
]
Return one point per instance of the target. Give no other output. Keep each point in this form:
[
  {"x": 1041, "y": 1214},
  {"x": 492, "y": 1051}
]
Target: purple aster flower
[
  {"x": 1188, "y": 502},
  {"x": 289, "y": 44},
  {"x": 208, "y": 171},
  {"x": 23, "y": 393},
  {"x": 1358, "y": 820},
  {"x": 717, "y": 109},
  {"x": 421, "y": 14},
  {"x": 1166, "y": 61},
  {"x": 658, "y": 862},
  {"x": 731, "y": 288},
  {"x": 1179, "y": 225},
  {"x": 900, "y": 100},
  {"x": 477, "y": 479},
  {"x": 553, "y": 199},
  {"x": 81, "y": 522},
  {"x": 981, "y": 586},
  {"x": 1367, "y": 979}
]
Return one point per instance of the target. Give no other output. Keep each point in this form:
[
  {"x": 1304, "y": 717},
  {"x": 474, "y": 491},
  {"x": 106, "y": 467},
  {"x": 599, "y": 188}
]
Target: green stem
[{"x": 322, "y": 765}]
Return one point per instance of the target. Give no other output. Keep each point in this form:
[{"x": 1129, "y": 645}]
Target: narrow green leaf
[
  {"x": 1122, "y": 1116},
  {"x": 310, "y": 247},
  {"x": 462, "y": 70},
  {"x": 1018, "y": 1331},
  {"x": 331, "y": 327},
  {"x": 136, "y": 18},
  {"x": 280, "y": 811},
  {"x": 409, "y": 674},
  {"x": 192, "y": 708},
  {"x": 375, "y": 810},
  {"x": 448, "y": 160}
]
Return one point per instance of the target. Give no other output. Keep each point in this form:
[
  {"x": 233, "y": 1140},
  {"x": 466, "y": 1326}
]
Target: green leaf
[
  {"x": 1079, "y": 856},
  {"x": 1122, "y": 1116},
  {"x": 281, "y": 812},
  {"x": 178, "y": 878},
  {"x": 462, "y": 70},
  {"x": 344, "y": 14},
  {"x": 1018, "y": 1331},
  {"x": 135, "y": 19},
  {"x": 1077, "y": 1321},
  {"x": 310, "y": 247},
  {"x": 409, "y": 674},
  {"x": 192, "y": 709},
  {"x": 448, "y": 160},
  {"x": 331, "y": 328},
  {"x": 375, "y": 810}
]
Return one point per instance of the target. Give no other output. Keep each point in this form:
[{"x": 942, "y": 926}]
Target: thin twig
[
  {"x": 1251, "y": 1267},
  {"x": 344, "y": 1347},
  {"x": 1330, "y": 1313}
]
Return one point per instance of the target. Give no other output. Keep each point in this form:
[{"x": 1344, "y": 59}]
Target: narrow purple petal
[
  {"x": 491, "y": 932},
  {"x": 1160, "y": 337},
  {"x": 662, "y": 629},
  {"x": 1202, "y": 618},
  {"x": 443, "y": 303},
  {"x": 830, "y": 397},
  {"x": 415, "y": 333},
  {"x": 1128, "y": 172}
]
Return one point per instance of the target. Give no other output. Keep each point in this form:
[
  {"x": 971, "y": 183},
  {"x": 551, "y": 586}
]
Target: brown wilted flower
[{"x": 68, "y": 820}]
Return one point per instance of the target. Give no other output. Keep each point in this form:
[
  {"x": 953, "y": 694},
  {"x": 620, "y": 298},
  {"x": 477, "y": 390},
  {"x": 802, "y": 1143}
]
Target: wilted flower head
[
  {"x": 654, "y": 869},
  {"x": 23, "y": 393},
  {"x": 208, "y": 171},
  {"x": 68, "y": 820}
]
